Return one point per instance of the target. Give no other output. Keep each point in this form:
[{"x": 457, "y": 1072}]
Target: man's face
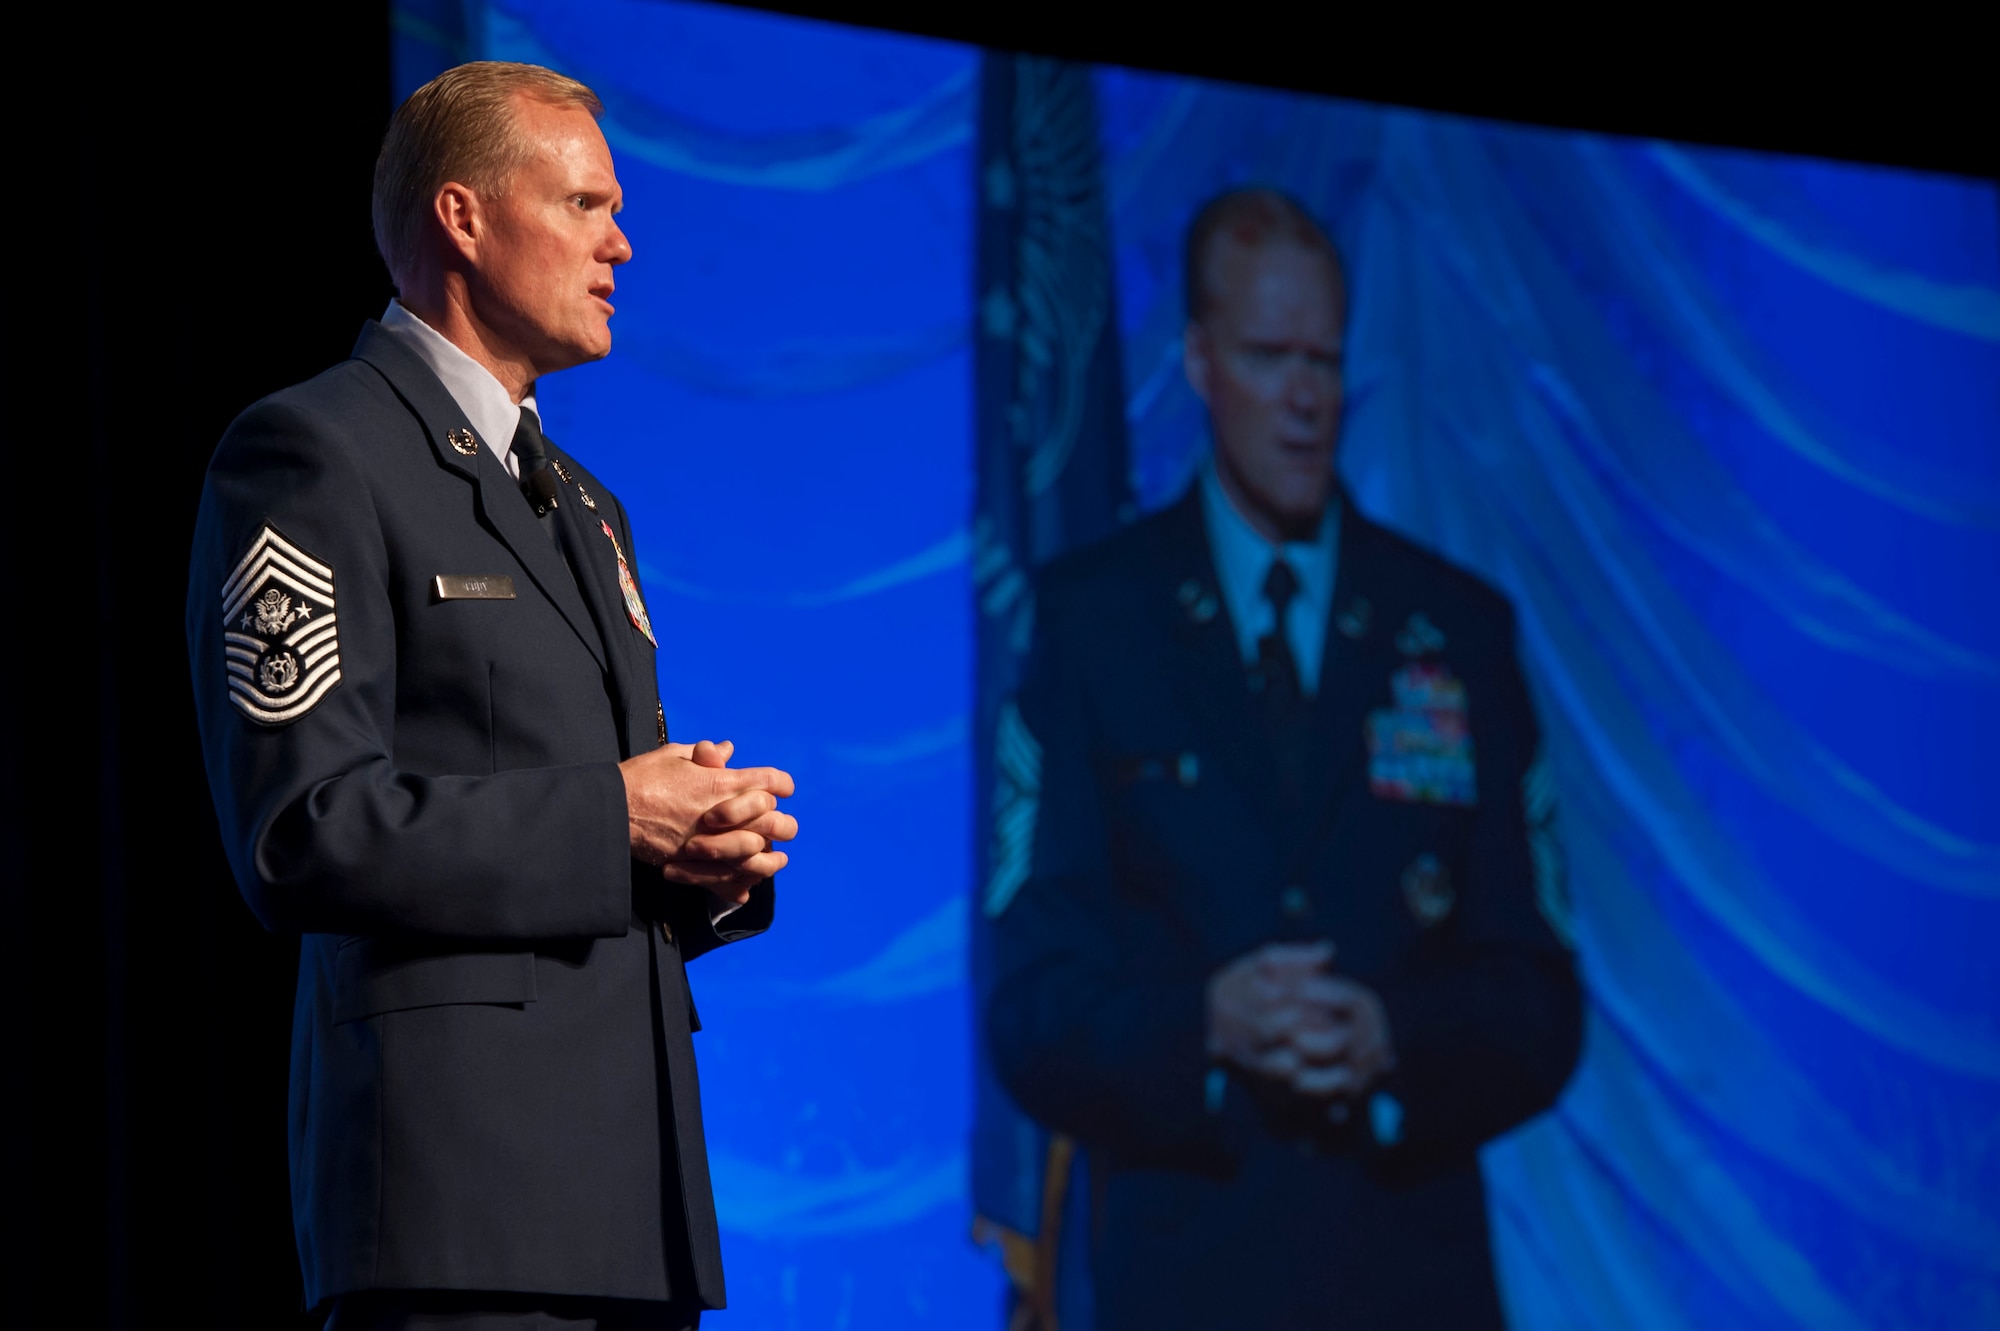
[
  {"x": 1265, "y": 357},
  {"x": 542, "y": 271}
]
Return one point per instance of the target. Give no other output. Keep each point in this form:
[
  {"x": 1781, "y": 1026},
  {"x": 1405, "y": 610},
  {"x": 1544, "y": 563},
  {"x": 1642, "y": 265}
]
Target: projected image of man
[{"x": 1280, "y": 964}]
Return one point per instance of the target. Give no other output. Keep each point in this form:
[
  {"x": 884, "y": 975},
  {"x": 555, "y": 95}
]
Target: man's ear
[
  {"x": 459, "y": 216},
  {"x": 1197, "y": 358}
]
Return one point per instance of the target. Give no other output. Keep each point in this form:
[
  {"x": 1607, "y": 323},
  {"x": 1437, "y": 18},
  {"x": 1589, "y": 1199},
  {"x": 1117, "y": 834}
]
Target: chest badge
[
  {"x": 1420, "y": 747},
  {"x": 1427, "y": 890},
  {"x": 562, "y": 472},
  {"x": 634, "y": 607},
  {"x": 1420, "y": 637}
]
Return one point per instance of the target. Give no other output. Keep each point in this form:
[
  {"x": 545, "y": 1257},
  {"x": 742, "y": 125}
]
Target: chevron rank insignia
[{"x": 281, "y": 645}]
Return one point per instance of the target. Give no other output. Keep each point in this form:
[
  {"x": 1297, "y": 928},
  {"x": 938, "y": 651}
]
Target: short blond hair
[
  {"x": 1250, "y": 217},
  {"x": 460, "y": 126}
]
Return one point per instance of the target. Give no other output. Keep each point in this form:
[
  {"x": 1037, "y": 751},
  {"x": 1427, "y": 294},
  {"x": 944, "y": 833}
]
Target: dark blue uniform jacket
[
  {"x": 493, "y": 1077},
  {"x": 1166, "y": 846}
]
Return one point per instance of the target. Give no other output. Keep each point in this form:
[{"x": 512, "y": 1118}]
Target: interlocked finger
[
  {"x": 739, "y": 810},
  {"x": 1331, "y": 993},
  {"x": 773, "y": 826},
  {"x": 729, "y": 880},
  {"x": 1324, "y": 1044},
  {"x": 735, "y": 780},
  {"x": 724, "y": 847},
  {"x": 1337, "y": 1079}
]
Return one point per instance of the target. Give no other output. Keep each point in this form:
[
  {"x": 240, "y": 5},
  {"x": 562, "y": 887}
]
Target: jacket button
[{"x": 1295, "y": 902}]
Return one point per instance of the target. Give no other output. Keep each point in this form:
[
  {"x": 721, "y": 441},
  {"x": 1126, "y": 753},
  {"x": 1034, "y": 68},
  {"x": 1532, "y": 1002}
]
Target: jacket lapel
[
  {"x": 1205, "y": 667},
  {"x": 1355, "y": 665},
  {"x": 595, "y": 560},
  {"x": 497, "y": 500}
]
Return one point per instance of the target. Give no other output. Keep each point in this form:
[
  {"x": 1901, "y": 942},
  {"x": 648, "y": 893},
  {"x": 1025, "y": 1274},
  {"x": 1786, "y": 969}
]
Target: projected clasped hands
[
  {"x": 704, "y": 822},
  {"x": 1281, "y": 1013}
]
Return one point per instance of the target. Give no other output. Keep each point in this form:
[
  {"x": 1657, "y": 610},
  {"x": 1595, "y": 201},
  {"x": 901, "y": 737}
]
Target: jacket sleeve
[
  {"x": 1093, "y": 1027},
  {"x": 325, "y": 832},
  {"x": 688, "y": 913},
  {"x": 1486, "y": 1016}
]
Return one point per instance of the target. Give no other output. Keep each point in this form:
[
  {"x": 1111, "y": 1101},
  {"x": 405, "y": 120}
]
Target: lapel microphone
[
  {"x": 540, "y": 487},
  {"x": 531, "y": 449}
]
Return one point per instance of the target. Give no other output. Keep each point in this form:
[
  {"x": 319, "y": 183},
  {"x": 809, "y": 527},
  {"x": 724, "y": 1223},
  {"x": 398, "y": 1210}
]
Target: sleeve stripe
[
  {"x": 253, "y": 703},
  {"x": 278, "y": 572},
  {"x": 269, "y": 541}
]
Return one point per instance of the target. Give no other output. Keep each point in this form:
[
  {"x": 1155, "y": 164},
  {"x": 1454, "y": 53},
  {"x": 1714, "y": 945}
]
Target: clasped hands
[
  {"x": 704, "y": 822},
  {"x": 1281, "y": 1013}
]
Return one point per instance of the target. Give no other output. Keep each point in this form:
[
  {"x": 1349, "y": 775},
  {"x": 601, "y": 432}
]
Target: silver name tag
[{"x": 475, "y": 587}]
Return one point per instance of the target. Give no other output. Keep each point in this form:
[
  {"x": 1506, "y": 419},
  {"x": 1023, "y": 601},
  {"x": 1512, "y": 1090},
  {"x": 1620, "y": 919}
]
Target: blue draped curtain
[{"x": 1726, "y": 426}]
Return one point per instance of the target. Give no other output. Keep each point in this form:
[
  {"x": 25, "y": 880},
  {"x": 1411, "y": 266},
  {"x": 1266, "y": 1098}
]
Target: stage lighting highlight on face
[{"x": 552, "y": 240}]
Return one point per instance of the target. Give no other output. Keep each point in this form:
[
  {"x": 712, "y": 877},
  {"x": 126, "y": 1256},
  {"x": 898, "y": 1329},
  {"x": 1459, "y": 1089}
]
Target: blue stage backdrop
[{"x": 1726, "y": 426}]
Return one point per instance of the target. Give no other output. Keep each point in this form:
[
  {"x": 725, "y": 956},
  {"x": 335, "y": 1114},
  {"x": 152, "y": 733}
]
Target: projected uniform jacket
[
  {"x": 411, "y": 711},
  {"x": 1163, "y": 850}
]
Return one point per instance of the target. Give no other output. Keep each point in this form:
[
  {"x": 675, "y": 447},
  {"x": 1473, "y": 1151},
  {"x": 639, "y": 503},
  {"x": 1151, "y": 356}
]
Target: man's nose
[
  {"x": 1303, "y": 391},
  {"x": 619, "y": 250}
]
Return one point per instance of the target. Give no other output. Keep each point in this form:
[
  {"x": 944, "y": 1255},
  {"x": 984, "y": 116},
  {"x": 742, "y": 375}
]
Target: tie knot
[
  {"x": 531, "y": 447},
  {"x": 1280, "y": 586}
]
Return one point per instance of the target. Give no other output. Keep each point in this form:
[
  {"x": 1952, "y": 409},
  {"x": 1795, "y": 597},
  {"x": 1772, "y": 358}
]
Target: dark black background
[{"x": 190, "y": 222}]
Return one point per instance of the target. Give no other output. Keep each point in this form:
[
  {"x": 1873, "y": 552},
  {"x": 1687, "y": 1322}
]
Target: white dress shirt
[
  {"x": 1243, "y": 559},
  {"x": 492, "y": 414}
]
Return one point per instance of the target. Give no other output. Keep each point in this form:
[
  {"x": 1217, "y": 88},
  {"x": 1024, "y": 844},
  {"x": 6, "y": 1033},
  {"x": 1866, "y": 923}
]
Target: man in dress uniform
[
  {"x": 424, "y": 675},
  {"x": 1289, "y": 948}
]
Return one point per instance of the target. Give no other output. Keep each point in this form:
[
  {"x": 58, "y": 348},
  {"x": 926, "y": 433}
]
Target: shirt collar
[
  {"x": 491, "y": 413},
  {"x": 1243, "y": 557}
]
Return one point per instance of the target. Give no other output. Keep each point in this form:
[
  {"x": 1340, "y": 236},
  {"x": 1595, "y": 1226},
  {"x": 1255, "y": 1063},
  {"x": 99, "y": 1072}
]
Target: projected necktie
[
  {"x": 1275, "y": 663},
  {"x": 1284, "y": 705}
]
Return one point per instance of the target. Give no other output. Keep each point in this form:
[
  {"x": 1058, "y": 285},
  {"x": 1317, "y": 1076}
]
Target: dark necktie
[
  {"x": 1286, "y": 711},
  {"x": 1275, "y": 662},
  {"x": 538, "y": 479}
]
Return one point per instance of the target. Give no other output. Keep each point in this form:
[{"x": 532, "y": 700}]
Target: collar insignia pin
[
  {"x": 463, "y": 441},
  {"x": 1197, "y": 601},
  {"x": 1353, "y": 621},
  {"x": 1420, "y": 637}
]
